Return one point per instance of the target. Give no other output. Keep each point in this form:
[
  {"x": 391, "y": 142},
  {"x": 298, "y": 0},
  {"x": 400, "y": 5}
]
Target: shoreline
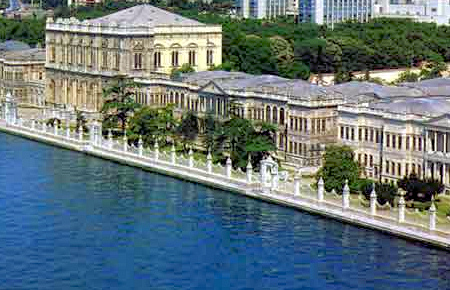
[{"x": 239, "y": 185}]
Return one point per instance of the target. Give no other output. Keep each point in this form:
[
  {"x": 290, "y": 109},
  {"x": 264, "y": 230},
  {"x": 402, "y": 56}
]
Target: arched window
[
  {"x": 177, "y": 99},
  {"x": 192, "y": 58},
  {"x": 171, "y": 97},
  {"x": 175, "y": 58},
  {"x": 268, "y": 113},
  {"x": 282, "y": 116},
  {"x": 138, "y": 60},
  {"x": 210, "y": 57},
  {"x": 275, "y": 114},
  {"x": 157, "y": 59}
]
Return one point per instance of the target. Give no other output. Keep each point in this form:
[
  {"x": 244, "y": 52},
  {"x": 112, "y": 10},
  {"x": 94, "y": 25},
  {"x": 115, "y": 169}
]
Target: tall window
[
  {"x": 52, "y": 53},
  {"x": 105, "y": 59},
  {"x": 192, "y": 57},
  {"x": 209, "y": 57},
  {"x": 157, "y": 59},
  {"x": 175, "y": 58},
  {"x": 138, "y": 60},
  {"x": 116, "y": 60}
]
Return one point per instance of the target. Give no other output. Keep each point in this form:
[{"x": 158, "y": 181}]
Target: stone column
[
  {"x": 67, "y": 130},
  {"x": 432, "y": 212},
  {"x": 55, "y": 128},
  {"x": 125, "y": 143},
  {"x": 191, "y": 158},
  {"x": 156, "y": 150},
  {"x": 274, "y": 180},
  {"x": 228, "y": 168},
  {"x": 140, "y": 146},
  {"x": 346, "y": 196},
  {"x": 249, "y": 171},
  {"x": 401, "y": 207},
  {"x": 444, "y": 173},
  {"x": 173, "y": 154},
  {"x": 444, "y": 147},
  {"x": 80, "y": 133},
  {"x": 209, "y": 162},
  {"x": 320, "y": 190},
  {"x": 435, "y": 141},
  {"x": 373, "y": 201},
  {"x": 297, "y": 183},
  {"x": 110, "y": 139}
]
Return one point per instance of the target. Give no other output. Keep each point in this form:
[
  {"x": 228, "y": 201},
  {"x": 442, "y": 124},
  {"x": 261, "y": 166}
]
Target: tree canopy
[{"x": 339, "y": 165}]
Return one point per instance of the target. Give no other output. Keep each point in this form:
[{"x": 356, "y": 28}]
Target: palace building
[
  {"x": 305, "y": 114},
  {"x": 22, "y": 73},
  {"x": 404, "y": 131},
  {"x": 143, "y": 41}
]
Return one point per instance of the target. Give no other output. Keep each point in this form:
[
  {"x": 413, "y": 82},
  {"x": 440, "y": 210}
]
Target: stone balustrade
[{"x": 267, "y": 185}]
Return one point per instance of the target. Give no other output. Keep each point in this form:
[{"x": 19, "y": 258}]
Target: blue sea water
[{"x": 70, "y": 221}]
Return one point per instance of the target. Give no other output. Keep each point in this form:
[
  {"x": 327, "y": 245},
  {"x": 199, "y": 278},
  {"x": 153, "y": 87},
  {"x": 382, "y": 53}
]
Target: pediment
[
  {"x": 441, "y": 121},
  {"x": 212, "y": 88}
]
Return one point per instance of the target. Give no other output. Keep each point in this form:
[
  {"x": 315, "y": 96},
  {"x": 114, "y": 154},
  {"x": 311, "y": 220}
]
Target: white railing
[{"x": 295, "y": 190}]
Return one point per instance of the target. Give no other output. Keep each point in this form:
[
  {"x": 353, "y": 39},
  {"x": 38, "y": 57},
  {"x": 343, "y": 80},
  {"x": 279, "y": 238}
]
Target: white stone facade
[{"x": 142, "y": 41}]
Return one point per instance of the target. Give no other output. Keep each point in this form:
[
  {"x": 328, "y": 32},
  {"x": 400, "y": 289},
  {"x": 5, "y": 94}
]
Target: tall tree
[
  {"x": 120, "y": 101},
  {"x": 338, "y": 165}
]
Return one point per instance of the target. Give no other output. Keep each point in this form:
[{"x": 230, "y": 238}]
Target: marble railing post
[
  {"x": 140, "y": 146},
  {"x": 346, "y": 196},
  {"x": 297, "y": 183},
  {"x": 55, "y": 128},
  {"x": 274, "y": 184},
  {"x": 320, "y": 189},
  {"x": 125, "y": 143},
  {"x": 110, "y": 139},
  {"x": 33, "y": 124},
  {"x": 80, "y": 133},
  {"x": 67, "y": 132},
  {"x": 401, "y": 207},
  {"x": 173, "y": 154},
  {"x": 373, "y": 201},
  {"x": 209, "y": 162},
  {"x": 249, "y": 171},
  {"x": 191, "y": 158},
  {"x": 432, "y": 212},
  {"x": 156, "y": 150},
  {"x": 228, "y": 168},
  {"x": 44, "y": 127}
]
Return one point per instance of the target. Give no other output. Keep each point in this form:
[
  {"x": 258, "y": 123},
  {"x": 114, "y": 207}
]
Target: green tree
[
  {"x": 188, "y": 128},
  {"x": 177, "y": 72},
  {"x": 152, "y": 124},
  {"x": 120, "y": 102},
  {"x": 338, "y": 165},
  {"x": 386, "y": 192},
  {"x": 420, "y": 190}
]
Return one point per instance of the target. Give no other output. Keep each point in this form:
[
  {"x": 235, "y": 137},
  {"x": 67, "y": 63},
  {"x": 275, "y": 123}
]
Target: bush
[{"x": 386, "y": 192}]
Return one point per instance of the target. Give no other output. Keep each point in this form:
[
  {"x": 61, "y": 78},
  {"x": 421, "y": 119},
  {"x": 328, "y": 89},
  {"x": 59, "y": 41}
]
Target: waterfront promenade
[{"x": 399, "y": 221}]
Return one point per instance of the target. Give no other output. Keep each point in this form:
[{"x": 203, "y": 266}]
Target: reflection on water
[{"x": 70, "y": 221}]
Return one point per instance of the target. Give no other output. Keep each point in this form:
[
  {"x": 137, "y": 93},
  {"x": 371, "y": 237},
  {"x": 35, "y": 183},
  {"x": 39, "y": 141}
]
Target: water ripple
[{"x": 69, "y": 221}]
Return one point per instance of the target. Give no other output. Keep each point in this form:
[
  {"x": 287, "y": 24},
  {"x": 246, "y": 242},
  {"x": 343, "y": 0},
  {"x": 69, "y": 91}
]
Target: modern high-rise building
[
  {"x": 265, "y": 9},
  {"x": 435, "y": 11},
  {"x": 314, "y": 11},
  {"x": 332, "y": 11}
]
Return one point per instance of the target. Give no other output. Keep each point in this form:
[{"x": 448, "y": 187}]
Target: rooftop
[
  {"x": 32, "y": 54},
  {"x": 429, "y": 107},
  {"x": 13, "y": 45},
  {"x": 145, "y": 16}
]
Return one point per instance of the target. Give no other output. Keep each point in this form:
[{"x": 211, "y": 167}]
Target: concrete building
[
  {"x": 402, "y": 132},
  {"x": 266, "y": 9},
  {"x": 434, "y": 11},
  {"x": 331, "y": 11},
  {"x": 142, "y": 41},
  {"x": 22, "y": 73}
]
